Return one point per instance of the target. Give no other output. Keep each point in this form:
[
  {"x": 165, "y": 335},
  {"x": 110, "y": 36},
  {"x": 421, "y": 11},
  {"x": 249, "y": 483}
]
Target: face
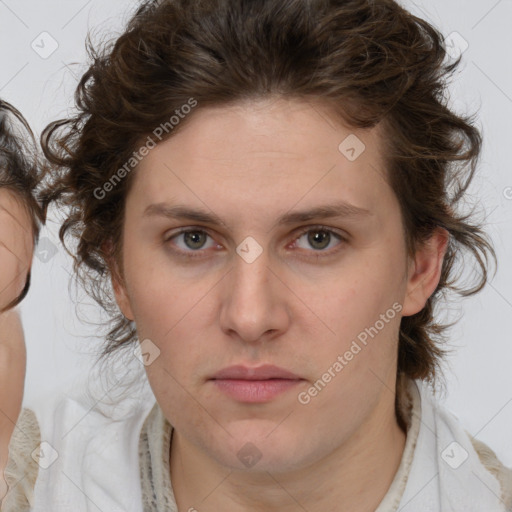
[
  {"x": 16, "y": 246},
  {"x": 256, "y": 281}
]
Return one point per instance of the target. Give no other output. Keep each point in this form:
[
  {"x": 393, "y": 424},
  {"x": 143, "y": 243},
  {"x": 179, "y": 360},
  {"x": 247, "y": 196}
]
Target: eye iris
[
  {"x": 195, "y": 237},
  {"x": 314, "y": 239}
]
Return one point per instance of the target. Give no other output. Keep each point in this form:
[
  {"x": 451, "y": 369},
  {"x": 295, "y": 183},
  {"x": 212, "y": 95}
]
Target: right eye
[{"x": 192, "y": 241}]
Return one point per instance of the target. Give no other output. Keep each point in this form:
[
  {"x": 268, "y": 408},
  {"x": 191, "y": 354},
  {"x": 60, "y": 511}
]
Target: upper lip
[{"x": 264, "y": 372}]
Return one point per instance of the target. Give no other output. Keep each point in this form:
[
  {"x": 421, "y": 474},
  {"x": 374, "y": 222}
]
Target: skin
[
  {"x": 296, "y": 306},
  {"x": 16, "y": 246},
  {"x": 16, "y": 250}
]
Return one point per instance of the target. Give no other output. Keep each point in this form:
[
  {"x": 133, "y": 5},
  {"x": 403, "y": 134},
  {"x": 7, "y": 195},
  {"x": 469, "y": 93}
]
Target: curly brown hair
[
  {"x": 21, "y": 172},
  {"x": 370, "y": 61}
]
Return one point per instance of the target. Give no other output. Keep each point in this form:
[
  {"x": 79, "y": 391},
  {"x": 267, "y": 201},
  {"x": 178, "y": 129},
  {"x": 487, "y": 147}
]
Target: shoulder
[
  {"x": 465, "y": 465},
  {"x": 501, "y": 472},
  {"x": 66, "y": 438},
  {"x": 22, "y": 464}
]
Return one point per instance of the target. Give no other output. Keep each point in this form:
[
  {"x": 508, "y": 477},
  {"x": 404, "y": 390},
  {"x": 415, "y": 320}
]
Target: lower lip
[{"x": 255, "y": 391}]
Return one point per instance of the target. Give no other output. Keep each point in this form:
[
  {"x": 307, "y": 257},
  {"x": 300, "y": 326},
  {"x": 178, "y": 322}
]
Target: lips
[
  {"x": 255, "y": 385},
  {"x": 264, "y": 372}
]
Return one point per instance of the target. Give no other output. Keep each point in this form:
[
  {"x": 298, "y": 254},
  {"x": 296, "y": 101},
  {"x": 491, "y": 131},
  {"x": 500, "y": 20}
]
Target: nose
[{"x": 254, "y": 306}]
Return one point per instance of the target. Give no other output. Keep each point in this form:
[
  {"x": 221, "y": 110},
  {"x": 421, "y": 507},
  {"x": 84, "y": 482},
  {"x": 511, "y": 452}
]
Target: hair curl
[
  {"x": 20, "y": 172},
  {"x": 370, "y": 61}
]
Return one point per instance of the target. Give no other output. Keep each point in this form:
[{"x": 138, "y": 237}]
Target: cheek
[
  {"x": 157, "y": 298},
  {"x": 169, "y": 311},
  {"x": 360, "y": 308},
  {"x": 359, "y": 293}
]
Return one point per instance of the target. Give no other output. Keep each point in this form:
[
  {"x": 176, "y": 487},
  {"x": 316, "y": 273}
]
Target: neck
[{"x": 355, "y": 476}]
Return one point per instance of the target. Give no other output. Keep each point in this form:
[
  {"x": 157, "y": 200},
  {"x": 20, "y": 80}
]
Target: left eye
[{"x": 319, "y": 238}]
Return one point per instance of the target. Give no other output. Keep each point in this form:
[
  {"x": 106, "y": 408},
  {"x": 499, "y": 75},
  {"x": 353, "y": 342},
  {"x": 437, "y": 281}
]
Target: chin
[{"x": 259, "y": 449}]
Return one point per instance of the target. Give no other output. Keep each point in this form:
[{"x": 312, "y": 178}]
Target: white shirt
[{"x": 114, "y": 458}]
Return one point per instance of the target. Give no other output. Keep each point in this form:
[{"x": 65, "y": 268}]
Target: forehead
[{"x": 264, "y": 154}]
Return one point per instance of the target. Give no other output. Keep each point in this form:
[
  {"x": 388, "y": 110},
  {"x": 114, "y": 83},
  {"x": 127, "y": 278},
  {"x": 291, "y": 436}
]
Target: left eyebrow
[{"x": 337, "y": 210}]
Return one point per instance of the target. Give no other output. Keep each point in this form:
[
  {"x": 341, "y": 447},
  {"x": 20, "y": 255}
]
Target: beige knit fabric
[
  {"x": 500, "y": 471},
  {"x": 154, "y": 447},
  {"x": 21, "y": 470}
]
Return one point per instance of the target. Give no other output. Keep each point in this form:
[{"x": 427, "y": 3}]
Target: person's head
[
  {"x": 252, "y": 112},
  {"x": 22, "y": 215}
]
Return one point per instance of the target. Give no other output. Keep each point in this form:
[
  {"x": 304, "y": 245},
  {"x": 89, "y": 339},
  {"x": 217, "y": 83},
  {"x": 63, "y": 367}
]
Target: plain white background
[{"x": 41, "y": 85}]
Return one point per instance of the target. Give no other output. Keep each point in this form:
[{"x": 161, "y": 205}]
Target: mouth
[{"x": 255, "y": 385}]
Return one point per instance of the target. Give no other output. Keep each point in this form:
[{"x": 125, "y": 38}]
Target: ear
[
  {"x": 118, "y": 282},
  {"x": 425, "y": 272}
]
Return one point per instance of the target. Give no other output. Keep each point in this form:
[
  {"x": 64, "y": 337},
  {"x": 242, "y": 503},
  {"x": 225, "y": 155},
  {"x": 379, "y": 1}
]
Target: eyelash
[{"x": 318, "y": 253}]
